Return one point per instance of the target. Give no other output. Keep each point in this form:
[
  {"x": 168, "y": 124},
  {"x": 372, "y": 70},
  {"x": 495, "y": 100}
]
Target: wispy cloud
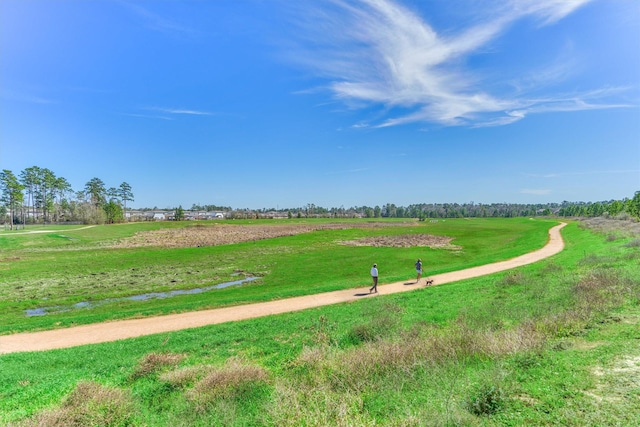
[
  {"x": 378, "y": 52},
  {"x": 156, "y": 22},
  {"x": 181, "y": 111},
  {"x": 360, "y": 125},
  {"x": 26, "y": 97},
  {"x": 357, "y": 170},
  {"x": 148, "y": 116}
]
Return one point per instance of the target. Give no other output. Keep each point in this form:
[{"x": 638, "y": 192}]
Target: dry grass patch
[
  {"x": 154, "y": 362},
  {"x": 224, "y": 234},
  {"x": 295, "y": 405},
  {"x": 352, "y": 369},
  {"x": 231, "y": 380},
  {"x": 182, "y": 377},
  {"x": 608, "y": 226},
  {"x": 405, "y": 241},
  {"x": 90, "y": 404}
]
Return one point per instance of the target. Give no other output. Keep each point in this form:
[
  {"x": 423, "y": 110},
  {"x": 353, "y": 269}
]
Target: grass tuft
[
  {"x": 635, "y": 243},
  {"x": 183, "y": 377},
  {"x": 233, "y": 380},
  {"x": 380, "y": 320},
  {"x": 513, "y": 278},
  {"x": 90, "y": 404},
  {"x": 154, "y": 362}
]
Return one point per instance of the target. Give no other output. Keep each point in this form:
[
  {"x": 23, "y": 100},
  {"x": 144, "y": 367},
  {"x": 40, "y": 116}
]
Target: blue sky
[{"x": 278, "y": 103}]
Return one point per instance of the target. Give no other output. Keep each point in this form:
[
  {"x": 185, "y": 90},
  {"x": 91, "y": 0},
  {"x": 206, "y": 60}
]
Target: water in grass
[{"x": 142, "y": 297}]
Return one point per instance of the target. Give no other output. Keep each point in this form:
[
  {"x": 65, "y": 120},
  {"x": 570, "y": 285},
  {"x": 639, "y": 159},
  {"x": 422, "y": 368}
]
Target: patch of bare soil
[
  {"x": 616, "y": 383},
  {"x": 224, "y": 234},
  {"x": 405, "y": 241}
]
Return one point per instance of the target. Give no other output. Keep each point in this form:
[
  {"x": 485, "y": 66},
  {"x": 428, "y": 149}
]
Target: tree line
[
  {"x": 37, "y": 195},
  {"x": 626, "y": 208}
]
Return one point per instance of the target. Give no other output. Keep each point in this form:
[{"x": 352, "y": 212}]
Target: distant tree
[
  {"x": 113, "y": 212},
  {"x": 12, "y": 196},
  {"x": 31, "y": 178},
  {"x": 633, "y": 205},
  {"x": 125, "y": 193},
  {"x": 47, "y": 192},
  {"x": 112, "y": 194},
  {"x": 96, "y": 190},
  {"x": 61, "y": 189},
  {"x": 615, "y": 207},
  {"x": 179, "y": 216}
]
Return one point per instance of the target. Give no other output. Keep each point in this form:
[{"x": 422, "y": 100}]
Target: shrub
[{"x": 487, "y": 400}]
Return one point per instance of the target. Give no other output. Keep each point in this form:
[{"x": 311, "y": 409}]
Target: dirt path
[
  {"x": 122, "y": 329},
  {"x": 49, "y": 231}
]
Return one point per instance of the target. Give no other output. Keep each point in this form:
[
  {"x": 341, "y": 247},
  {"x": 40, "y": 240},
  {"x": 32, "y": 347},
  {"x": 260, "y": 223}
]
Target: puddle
[{"x": 142, "y": 297}]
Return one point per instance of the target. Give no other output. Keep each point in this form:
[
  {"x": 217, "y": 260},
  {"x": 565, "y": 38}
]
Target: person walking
[
  {"x": 419, "y": 269},
  {"x": 374, "y": 276}
]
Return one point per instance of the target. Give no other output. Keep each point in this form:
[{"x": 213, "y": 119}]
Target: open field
[
  {"x": 62, "y": 269},
  {"x": 132, "y": 328},
  {"x": 547, "y": 344}
]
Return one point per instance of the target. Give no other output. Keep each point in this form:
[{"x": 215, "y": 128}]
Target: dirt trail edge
[{"x": 123, "y": 329}]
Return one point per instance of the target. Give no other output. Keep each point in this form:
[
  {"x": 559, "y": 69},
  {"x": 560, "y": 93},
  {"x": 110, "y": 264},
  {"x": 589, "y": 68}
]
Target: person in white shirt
[{"x": 374, "y": 276}]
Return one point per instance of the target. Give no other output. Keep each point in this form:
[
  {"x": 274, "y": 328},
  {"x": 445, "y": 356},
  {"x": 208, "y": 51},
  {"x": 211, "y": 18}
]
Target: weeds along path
[{"x": 123, "y": 329}]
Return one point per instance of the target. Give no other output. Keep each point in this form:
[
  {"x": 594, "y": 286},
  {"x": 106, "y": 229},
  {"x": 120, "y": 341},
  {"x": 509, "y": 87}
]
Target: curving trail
[
  {"x": 123, "y": 329},
  {"x": 49, "y": 231}
]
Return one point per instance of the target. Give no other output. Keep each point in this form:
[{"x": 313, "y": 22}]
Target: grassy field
[
  {"x": 553, "y": 343},
  {"x": 79, "y": 265}
]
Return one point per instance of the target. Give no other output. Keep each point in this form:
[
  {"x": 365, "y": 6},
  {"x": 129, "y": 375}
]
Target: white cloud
[
  {"x": 181, "y": 111},
  {"x": 360, "y": 125},
  {"x": 378, "y": 52}
]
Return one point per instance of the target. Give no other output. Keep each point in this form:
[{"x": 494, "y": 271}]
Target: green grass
[
  {"x": 553, "y": 343},
  {"x": 77, "y": 265}
]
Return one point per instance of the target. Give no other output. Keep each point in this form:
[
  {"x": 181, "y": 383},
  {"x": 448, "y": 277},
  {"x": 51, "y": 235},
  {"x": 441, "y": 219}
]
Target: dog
[{"x": 429, "y": 282}]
